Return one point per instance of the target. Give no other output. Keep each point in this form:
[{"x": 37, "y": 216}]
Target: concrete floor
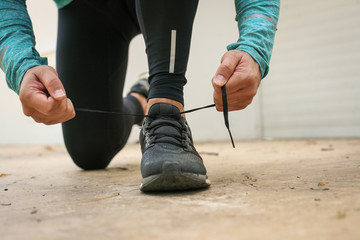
[{"x": 260, "y": 190}]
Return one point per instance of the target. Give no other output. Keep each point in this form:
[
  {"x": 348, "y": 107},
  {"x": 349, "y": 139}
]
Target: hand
[
  {"x": 242, "y": 76},
  {"x": 43, "y": 96}
]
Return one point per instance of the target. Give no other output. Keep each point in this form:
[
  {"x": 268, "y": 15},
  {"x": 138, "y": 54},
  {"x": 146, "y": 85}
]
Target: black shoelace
[
  {"x": 225, "y": 112},
  {"x": 159, "y": 132}
]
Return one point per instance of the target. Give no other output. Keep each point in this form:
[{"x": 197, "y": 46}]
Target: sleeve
[
  {"x": 257, "y": 21},
  {"x": 17, "y": 42}
]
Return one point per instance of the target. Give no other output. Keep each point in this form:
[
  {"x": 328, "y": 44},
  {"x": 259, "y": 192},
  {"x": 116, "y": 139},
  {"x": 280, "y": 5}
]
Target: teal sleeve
[
  {"x": 17, "y": 42},
  {"x": 62, "y": 3},
  {"x": 257, "y": 21}
]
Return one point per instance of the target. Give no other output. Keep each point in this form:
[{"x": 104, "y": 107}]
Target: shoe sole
[{"x": 174, "y": 181}]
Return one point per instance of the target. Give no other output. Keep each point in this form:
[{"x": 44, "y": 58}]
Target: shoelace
[
  {"x": 177, "y": 134},
  {"x": 225, "y": 112}
]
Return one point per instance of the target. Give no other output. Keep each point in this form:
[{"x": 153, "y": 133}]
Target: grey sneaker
[
  {"x": 170, "y": 161},
  {"x": 142, "y": 85}
]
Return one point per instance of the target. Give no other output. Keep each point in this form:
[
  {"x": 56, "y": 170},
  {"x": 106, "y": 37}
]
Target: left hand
[
  {"x": 242, "y": 76},
  {"x": 43, "y": 96}
]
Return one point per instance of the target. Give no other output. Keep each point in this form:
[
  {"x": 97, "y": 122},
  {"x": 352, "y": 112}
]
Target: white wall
[
  {"x": 16, "y": 128},
  {"x": 213, "y": 30},
  {"x": 312, "y": 89}
]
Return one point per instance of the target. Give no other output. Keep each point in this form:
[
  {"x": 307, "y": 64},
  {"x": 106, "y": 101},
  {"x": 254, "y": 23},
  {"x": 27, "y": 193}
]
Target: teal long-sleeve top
[{"x": 257, "y": 21}]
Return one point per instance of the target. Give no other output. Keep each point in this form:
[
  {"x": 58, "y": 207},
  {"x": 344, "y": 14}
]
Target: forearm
[
  {"x": 17, "y": 42},
  {"x": 257, "y": 21}
]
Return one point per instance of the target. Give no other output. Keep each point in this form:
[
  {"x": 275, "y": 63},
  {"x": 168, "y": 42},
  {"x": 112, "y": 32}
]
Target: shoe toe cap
[{"x": 163, "y": 160}]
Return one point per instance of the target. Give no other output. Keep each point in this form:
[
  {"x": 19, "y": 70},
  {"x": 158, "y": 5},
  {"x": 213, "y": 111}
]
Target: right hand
[
  {"x": 242, "y": 76},
  {"x": 43, "y": 96}
]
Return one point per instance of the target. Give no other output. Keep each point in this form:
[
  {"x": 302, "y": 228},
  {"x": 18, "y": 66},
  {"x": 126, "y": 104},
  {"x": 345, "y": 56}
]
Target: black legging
[{"x": 92, "y": 55}]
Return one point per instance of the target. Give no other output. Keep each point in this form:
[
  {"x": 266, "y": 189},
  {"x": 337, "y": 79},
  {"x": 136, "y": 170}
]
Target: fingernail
[
  {"x": 59, "y": 93},
  {"x": 220, "y": 80}
]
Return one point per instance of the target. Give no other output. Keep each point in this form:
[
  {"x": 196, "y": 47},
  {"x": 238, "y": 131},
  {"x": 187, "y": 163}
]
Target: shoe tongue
[{"x": 164, "y": 109}]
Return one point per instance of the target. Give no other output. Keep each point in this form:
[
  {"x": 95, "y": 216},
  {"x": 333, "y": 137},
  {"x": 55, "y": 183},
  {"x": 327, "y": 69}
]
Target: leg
[
  {"x": 92, "y": 52},
  {"x": 167, "y": 27},
  {"x": 170, "y": 160}
]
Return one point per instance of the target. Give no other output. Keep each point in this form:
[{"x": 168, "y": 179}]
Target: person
[{"x": 92, "y": 54}]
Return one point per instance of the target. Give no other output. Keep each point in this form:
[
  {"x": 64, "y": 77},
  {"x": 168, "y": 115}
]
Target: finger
[
  {"x": 61, "y": 120},
  {"x": 70, "y": 113},
  {"x": 232, "y": 108},
  {"x": 40, "y": 102},
  {"x": 218, "y": 100},
  {"x": 242, "y": 81},
  {"x": 58, "y": 109},
  {"x": 237, "y": 100},
  {"x": 42, "y": 118},
  {"x": 56, "y": 116},
  {"x": 236, "y": 105},
  {"x": 56, "y": 121},
  {"x": 47, "y": 105},
  {"x": 53, "y": 84},
  {"x": 225, "y": 70},
  {"x": 243, "y": 88},
  {"x": 242, "y": 97},
  {"x": 38, "y": 117},
  {"x": 70, "y": 109}
]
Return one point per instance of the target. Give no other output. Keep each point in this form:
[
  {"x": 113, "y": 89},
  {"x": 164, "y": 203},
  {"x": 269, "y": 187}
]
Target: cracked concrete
[{"x": 260, "y": 190}]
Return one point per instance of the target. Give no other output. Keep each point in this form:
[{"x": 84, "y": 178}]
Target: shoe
[
  {"x": 170, "y": 161},
  {"x": 142, "y": 85}
]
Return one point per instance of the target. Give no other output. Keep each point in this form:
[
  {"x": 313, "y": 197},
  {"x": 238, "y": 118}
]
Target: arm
[
  {"x": 40, "y": 90},
  {"x": 247, "y": 60},
  {"x": 257, "y": 21},
  {"x": 17, "y": 42}
]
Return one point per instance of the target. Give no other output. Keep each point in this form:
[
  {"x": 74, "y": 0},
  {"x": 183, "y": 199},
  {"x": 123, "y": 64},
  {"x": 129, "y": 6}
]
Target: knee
[
  {"x": 92, "y": 147},
  {"x": 91, "y": 156},
  {"x": 90, "y": 160}
]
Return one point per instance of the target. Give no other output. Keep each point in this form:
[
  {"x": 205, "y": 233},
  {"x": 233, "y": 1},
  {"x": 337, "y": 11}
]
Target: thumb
[
  {"x": 52, "y": 83},
  {"x": 219, "y": 80},
  {"x": 226, "y": 69}
]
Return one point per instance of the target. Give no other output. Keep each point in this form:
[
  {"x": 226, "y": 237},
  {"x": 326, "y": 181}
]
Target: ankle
[{"x": 177, "y": 104}]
